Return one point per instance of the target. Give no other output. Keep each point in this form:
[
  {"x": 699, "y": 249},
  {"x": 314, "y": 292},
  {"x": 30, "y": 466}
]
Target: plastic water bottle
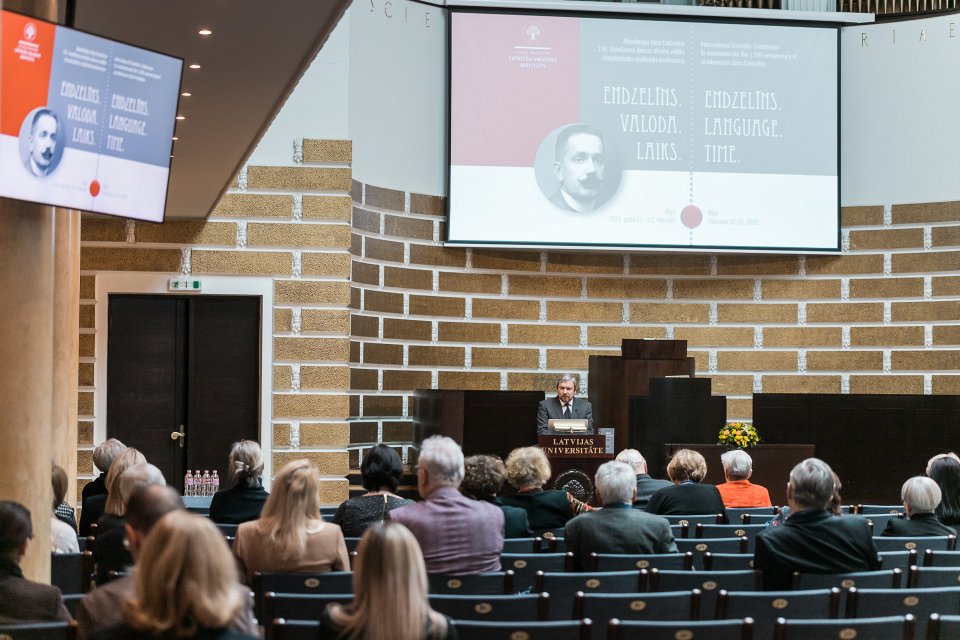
[
  {"x": 214, "y": 483},
  {"x": 206, "y": 482},
  {"x": 188, "y": 484},
  {"x": 197, "y": 483}
]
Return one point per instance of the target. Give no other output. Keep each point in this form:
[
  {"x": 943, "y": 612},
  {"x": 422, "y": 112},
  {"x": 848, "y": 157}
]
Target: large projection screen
[
  {"x": 641, "y": 133},
  {"x": 85, "y": 122}
]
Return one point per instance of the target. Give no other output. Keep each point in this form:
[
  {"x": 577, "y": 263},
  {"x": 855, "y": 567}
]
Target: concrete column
[
  {"x": 66, "y": 317},
  {"x": 27, "y": 240}
]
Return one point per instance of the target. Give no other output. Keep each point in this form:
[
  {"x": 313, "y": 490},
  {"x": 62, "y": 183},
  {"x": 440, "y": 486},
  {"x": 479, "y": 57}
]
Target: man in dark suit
[
  {"x": 20, "y": 599},
  {"x": 564, "y": 406},
  {"x": 617, "y": 528},
  {"x": 813, "y": 540},
  {"x": 646, "y": 486}
]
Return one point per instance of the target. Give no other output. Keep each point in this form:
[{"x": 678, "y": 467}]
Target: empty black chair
[
  {"x": 922, "y": 577},
  {"x": 699, "y": 546},
  {"x": 727, "y": 561},
  {"x": 500, "y": 608},
  {"x": 899, "y": 559},
  {"x": 693, "y": 519},
  {"x": 658, "y": 630},
  {"x": 940, "y": 627},
  {"x": 708, "y": 582},
  {"x": 884, "y": 579},
  {"x": 603, "y": 607},
  {"x": 522, "y": 545},
  {"x": 494, "y": 583},
  {"x": 563, "y": 586},
  {"x": 748, "y": 531},
  {"x": 628, "y": 561},
  {"x": 281, "y": 629},
  {"x": 766, "y": 606},
  {"x": 526, "y": 565},
  {"x": 756, "y": 514},
  {"x": 300, "y": 606},
  {"x": 885, "y": 628},
  {"x": 71, "y": 571},
  {"x": 549, "y": 630},
  {"x": 937, "y": 543},
  {"x": 933, "y": 558},
  {"x": 303, "y": 583},
  {"x": 40, "y": 631},
  {"x": 920, "y": 603}
]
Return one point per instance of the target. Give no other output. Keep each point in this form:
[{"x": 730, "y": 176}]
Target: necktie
[{"x": 566, "y": 412}]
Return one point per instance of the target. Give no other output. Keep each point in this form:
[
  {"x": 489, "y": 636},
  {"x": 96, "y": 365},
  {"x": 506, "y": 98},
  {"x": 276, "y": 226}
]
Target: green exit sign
[{"x": 185, "y": 284}]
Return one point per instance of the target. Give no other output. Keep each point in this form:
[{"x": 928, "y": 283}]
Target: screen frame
[{"x": 640, "y": 248}]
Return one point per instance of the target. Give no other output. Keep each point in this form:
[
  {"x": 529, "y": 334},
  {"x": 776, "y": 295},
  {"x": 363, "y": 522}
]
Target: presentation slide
[
  {"x": 85, "y": 122},
  {"x": 627, "y": 132}
]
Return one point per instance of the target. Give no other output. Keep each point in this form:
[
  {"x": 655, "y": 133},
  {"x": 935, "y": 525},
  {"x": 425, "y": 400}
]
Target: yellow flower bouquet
[{"x": 738, "y": 435}]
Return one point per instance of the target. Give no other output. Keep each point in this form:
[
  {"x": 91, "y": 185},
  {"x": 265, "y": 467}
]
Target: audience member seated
[
  {"x": 618, "y": 527},
  {"x": 110, "y": 550},
  {"x": 528, "y": 470},
  {"x": 483, "y": 478},
  {"x": 457, "y": 535},
  {"x": 63, "y": 537},
  {"x": 112, "y": 517},
  {"x": 245, "y": 498},
  {"x": 646, "y": 486},
  {"x": 836, "y": 504},
  {"x": 738, "y": 491},
  {"x": 687, "y": 496},
  {"x": 920, "y": 496},
  {"x": 290, "y": 534},
  {"x": 813, "y": 540},
  {"x": 944, "y": 469},
  {"x": 92, "y": 509},
  {"x": 381, "y": 471},
  {"x": 20, "y": 599},
  {"x": 390, "y": 593},
  {"x": 62, "y": 509},
  {"x": 185, "y": 585}
]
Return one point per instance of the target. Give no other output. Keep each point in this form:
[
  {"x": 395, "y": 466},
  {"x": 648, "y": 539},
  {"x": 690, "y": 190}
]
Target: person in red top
[{"x": 738, "y": 491}]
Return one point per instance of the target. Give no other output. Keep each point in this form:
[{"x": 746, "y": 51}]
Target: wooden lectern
[
  {"x": 574, "y": 459},
  {"x": 613, "y": 379}
]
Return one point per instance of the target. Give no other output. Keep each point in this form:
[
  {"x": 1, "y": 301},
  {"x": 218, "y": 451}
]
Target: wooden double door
[{"x": 183, "y": 378}]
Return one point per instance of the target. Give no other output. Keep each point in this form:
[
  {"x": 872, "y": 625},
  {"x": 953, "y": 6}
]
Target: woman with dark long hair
[{"x": 944, "y": 469}]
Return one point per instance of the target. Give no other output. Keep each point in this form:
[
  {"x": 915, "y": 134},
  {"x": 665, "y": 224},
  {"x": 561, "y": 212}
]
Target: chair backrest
[
  {"x": 937, "y": 543},
  {"x": 501, "y": 608},
  {"x": 878, "y": 521},
  {"x": 603, "y": 607},
  {"x": 757, "y": 514},
  {"x": 903, "y": 559},
  {"x": 922, "y": 577},
  {"x": 709, "y": 583},
  {"x": 885, "y": 628},
  {"x": 228, "y": 530},
  {"x": 540, "y": 630},
  {"x": 692, "y": 519},
  {"x": 71, "y": 571},
  {"x": 933, "y": 558},
  {"x": 659, "y": 630},
  {"x": 699, "y": 546},
  {"x": 628, "y": 561},
  {"x": 563, "y": 586},
  {"x": 334, "y": 582},
  {"x": 526, "y": 565},
  {"x": 40, "y": 631},
  {"x": 522, "y": 545},
  {"x": 874, "y": 509},
  {"x": 766, "y": 606},
  {"x": 494, "y": 583},
  {"x": 85, "y": 543},
  {"x": 351, "y": 543},
  {"x": 943, "y": 627},
  {"x": 680, "y": 530},
  {"x": 868, "y": 603},
  {"x": 727, "y": 561},
  {"x": 300, "y": 606},
  {"x": 749, "y": 531},
  {"x": 281, "y": 629},
  {"x": 884, "y": 579}
]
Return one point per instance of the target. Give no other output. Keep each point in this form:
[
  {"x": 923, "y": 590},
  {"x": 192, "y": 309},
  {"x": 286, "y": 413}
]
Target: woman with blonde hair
[
  {"x": 528, "y": 470},
  {"x": 245, "y": 498},
  {"x": 185, "y": 585},
  {"x": 687, "y": 496},
  {"x": 114, "y": 508},
  {"x": 290, "y": 534},
  {"x": 390, "y": 593}
]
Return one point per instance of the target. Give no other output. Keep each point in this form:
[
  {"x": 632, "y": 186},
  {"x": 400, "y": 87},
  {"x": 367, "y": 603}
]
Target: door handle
[{"x": 178, "y": 435}]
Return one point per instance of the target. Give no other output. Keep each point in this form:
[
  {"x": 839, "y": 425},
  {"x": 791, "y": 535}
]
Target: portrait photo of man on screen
[
  {"x": 43, "y": 148},
  {"x": 580, "y": 167}
]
